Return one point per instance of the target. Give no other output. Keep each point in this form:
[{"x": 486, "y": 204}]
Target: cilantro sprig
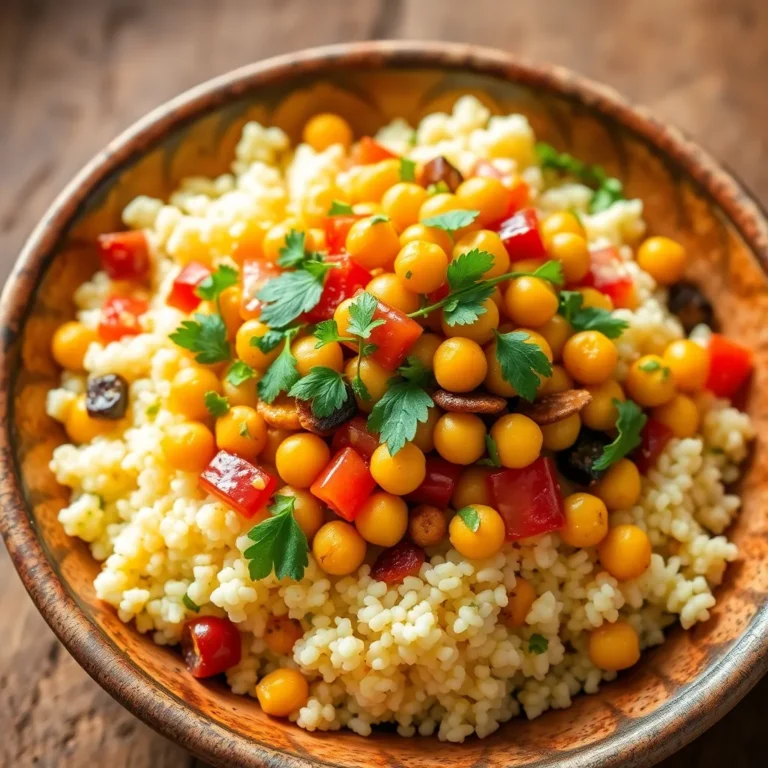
[
  {"x": 206, "y": 337},
  {"x": 239, "y": 372},
  {"x": 452, "y": 220},
  {"x": 492, "y": 449},
  {"x": 407, "y": 169},
  {"x": 339, "y": 208},
  {"x": 281, "y": 374},
  {"x": 470, "y": 518},
  {"x": 218, "y": 281},
  {"x": 324, "y": 388},
  {"x": 279, "y": 544},
  {"x": 584, "y": 318},
  {"x": 521, "y": 359},
  {"x": 537, "y": 644},
  {"x": 629, "y": 425},
  {"x": 216, "y": 404}
]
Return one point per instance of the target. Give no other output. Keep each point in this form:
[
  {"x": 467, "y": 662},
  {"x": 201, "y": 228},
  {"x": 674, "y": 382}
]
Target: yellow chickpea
[
  {"x": 274, "y": 239},
  {"x": 427, "y": 526},
  {"x": 680, "y": 414},
  {"x": 338, "y": 548},
  {"x": 559, "y": 381},
  {"x": 649, "y": 382},
  {"x": 307, "y": 509},
  {"x": 591, "y": 297},
  {"x": 399, "y": 474},
  {"x": 388, "y": 288},
  {"x": 625, "y": 552},
  {"x": 460, "y": 437},
  {"x": 530, "y": 301},
  {"x": 614, "y": 647},
  {"x": 485, "y": 541},
  {"x": 376, "y": 179},
  {"x": 375, "y": 377},
  {"x": 590, "y": 357},
  {"x": 433, "y": 235},
  {"x": 300, "y": 458},
  {"x": 241, "y": 394},
  {"x": 383, "y": 519},
  {"x": 229, "y": 305},
  {"x": 556, "y": 331},
  {"x": 241, "y": 431},
  {"x": 402, "y": 203},
  {"x": 562, "y": 434},
  {"x": 490, "y": 242},
  {"x": 81, "y": 427},
  {"x": 472, "y": 488},
  {"x": 518, "y": 440},
  {"x": 424, "y": 439},
  {"x": 559, "y": 223},
  {"x": 281, "y": 634},
  {"x": 424, "y": 349},
  {"x": 480, "y": 330},
  {"x": 282, "y": 692},
  {"x": 586, "y": 520},
  {"x": 188, "y": 389},
  {"x": 314, "y": 209},
  {"x": 421, "y": 266},
  {"x": 438, "y": 204},
  {"x": 689, "y": 363},
  {"x": 247, "y": 351},
  {"x": 494, "y": 380},
  {"x": 309, "y": 356},
  {"x": 275, "y": 436},
  {"x": 460, "y": 365},
  {"x": 373, "y": 242},
  {"x": 485, "y": 194},
  {"x": 70, "y": 343},
  {"x": 601, "y": 413},
  {"x": 521, "y": 599},
  {"x": 573, "y": 254},
  {"x": 663, "y": 259},
  {"x": 326, "y": 129},
  {"x": 619, "y": 487}
]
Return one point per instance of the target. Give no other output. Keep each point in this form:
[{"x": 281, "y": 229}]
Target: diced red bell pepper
[
  {"x": 394, "y": 338},
  {"x": 521, "y": 237},
  {"x": 341, "y": 283},
  {"x": 528, "y": 499},
  {"x": 368, "y": 151},
  {"x": 654, "y": 439},
  {"x": 608, "y": 275},
  {"x": 344, "y": 484},
  {"x": 238, "y": 483},
  {"x": 439, "y": 482},
  {"x": 183, "y": 294},
  {"x": 255, "y": 274},
  {"x": 336, "y": 230},
  {"x": 487, "y": 169},
  {"x": 124, "y": 255},
  {"x": 730, "y": 364},
  {"x": 210, "y": 645},
  {"x": 120, "y": 317},
  {"x": 355, "y": 434},
  {"x": 394, "y": 564}
]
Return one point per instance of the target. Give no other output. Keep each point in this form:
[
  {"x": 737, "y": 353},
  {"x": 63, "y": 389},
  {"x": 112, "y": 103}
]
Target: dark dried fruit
[
  {"x": 439, "y": 169},
  {"x": 480, "y": 402},
  {"x": 395, "y": 563},
  {"x": 557, "y": 406},
  {"x": 691, "y": 306},
  {"x": 328, "y": 424},
  {"x": 576, "y": 462},
  {"x": 107, "y": 397}
]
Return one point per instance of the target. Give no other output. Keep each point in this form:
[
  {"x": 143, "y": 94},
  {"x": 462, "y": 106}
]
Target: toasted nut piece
[
  {"x": 427, "y": 525},
  {"x": 439, "y": 169},
  {"x": 557, "y": 406},
  {"x": 474, "y": 403},
  {"x": 329, "y": 424},
  {"x": 282, "y": 413}
]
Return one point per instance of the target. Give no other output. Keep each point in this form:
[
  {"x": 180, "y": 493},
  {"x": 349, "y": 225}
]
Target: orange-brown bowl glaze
[{"x": 677, "y": 690}]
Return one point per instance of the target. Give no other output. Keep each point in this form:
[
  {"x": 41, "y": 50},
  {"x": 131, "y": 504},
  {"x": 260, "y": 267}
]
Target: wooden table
[{"x": 73, "y": 74}]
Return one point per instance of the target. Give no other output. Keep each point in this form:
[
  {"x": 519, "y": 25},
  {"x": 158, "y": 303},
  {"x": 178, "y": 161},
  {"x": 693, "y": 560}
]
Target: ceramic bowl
[{"x": 677, "y": 690}]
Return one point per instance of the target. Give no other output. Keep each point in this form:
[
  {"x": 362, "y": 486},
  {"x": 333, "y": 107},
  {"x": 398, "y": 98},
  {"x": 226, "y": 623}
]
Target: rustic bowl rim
[{"x": 670, "y": 727}]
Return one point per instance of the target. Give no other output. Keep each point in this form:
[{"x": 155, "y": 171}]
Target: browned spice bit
[
  {"x": 439, "y": 169},
  {"x": 395, "y": 563},
  {"x": 475, "y": 403},
  {"x": 283, "y": 413},
  {"x": 557, "y": 406},
  {"x": 329, "y": 424},
  {"x": 427, "y": 525}
]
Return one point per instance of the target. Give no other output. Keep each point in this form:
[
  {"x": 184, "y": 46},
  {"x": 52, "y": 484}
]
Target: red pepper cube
[
  {"x": 438, "y": 485},
  {"x": 342, "y": 282},
  {"x": 394, "y": 338},
  {"x": 521, "y": 237},
  {"x": 120, "y": 317},
  {"x": 336, "y": 230},
  {"x": 255, "y": 275},
  {"x": 183, "y": 294},
  {"x": 608, "y": 274},
  {"x": 344, "y": 484},
  {"x": 124, "y": 255},
  {"x": 210, "y": 645},
  {"x": 355, "y": 434},
  {"x": 368, "y": 151},
  {"x": 730, "y": 364},
  {"x": 238, "y": 483},
  {"x": 528, "y": 499},
  {"x": 654, "y": 439}
]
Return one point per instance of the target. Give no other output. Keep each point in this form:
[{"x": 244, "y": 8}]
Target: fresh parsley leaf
[
  {"x": 326, "y": 332},
  {"x": 293, "y": 252},
  {"x": 452, "y": 220},
  {"x": 324, "y": 387},
  {"x": 609, "y": 191},
  {"x": 206, "y": 336},
  {"x": 407, "y": 169},
  {"x": 338, "y": 208},
  {"x": 470, "y": 517},
  {"x": 397, "y": 415},
  {"x": 589, "y": 318},
  {"x": 537, "y": 644},
  {"x": 216, "y": 404},
  {"x": 239, "y": 372},
  {"x": 493, "y": 459},
  {"x": 408, "y": 275},
  {"x": 153, "y": 410},
  {"x": 651, "y": 366},
  {"x": 437, "y": 189},
  {"x": 552, "y": 271},
  {"x": 291, "y": 294},
  {"x": 243, "y": 429},
  {"x": 468, "y": 268},
  {"x": 279, "y": 543},
  {"x": 359, "y": 388},
  {"x": 272, "y": 339},
  {"x": 521, "y": 360},
  {"x": 414, "y": 371},
  {"x": 465, "y": 307},
  {"x": 361, "y": 311},
  {"x": 188, "y": 603},
  {"x": 379, "y": 218},
  {"x": 282, "y": 374},
  {"x": 211, "y": 288},
  {"x": 629, "y": 424}
]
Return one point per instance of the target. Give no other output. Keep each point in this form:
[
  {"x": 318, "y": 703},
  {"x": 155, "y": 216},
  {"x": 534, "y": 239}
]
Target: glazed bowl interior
[{"x": 677, "y": 689}]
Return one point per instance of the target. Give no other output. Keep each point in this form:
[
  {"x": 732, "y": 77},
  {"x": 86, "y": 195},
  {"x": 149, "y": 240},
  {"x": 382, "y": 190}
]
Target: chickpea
[
  {"x": 427, "y": 526},
  {"x": 241, "y": 394},
  {"x": 429, "y": 234},
  {"x": 590, "y": 357},
  {"x": 388, "y": 288},
  {"x": 275, "y": 436},
  {"x": 281, "y": 634},
  {"x": 614, "y": 647},
  {"x": 424, "y": 439},
  {"x": 484, "y": 542},
  {"x": 663, "y": 259},
  {"x": 81, "y": 427},
  {"x": 460, "y": 437},
  {"x": 314, "y": 210},
  {"x": 402, "y": 203},
  {"x": 229, "y": 304},
  {"x": 472, "y": 488},
  {"x": 399, "y": 474},
  {"x": 241, "y": 431},
  {"x": 189, "y": 447},
  {"x": 338, "y": 548},
  {"x": 573, "y": 254},
  {"x": 367, "y": 209},
  {"x": 518, "y": 440},
  {"x": 559, "y": 381},
  {"x": 70, "y": 343},
  {"x": 689, "y": 363},
  {"x": 374, "y": 376},
  {"x": 619, "y": 487},
  {"x": 591, "y": 297},
  {"x": 560, "y": 223},
  {"x": 438, "y": 204},
  {"x": 421, "y": 266},
  {"x": 383, "y": 519},
  {"x": 649, "y": 382},
  {"x": 309, "y": 356},
  {"x": 460, "y": 365},
  {"x": 490, "y": 242},
  {"x": 601, "y": 413},
  {"x": 300, "y": 458},
  {"x": 274, "y": 239},
  {"x": 326, "y": 129},
  {"x": 680, "y": 414},
  {"x": 375, "y": 179},
  {"x": 188, "y": 389},
  {"x": 487, "y": 195},
  {"x": 562, "y": 434},
  {"x": 282, "y": 692},
  {"x": 373, "y": 242},
  {"x": 586, "y": 520},
  {"x": 246, "y": 349},
  {"x": 521, "y": 599},
  {"x": 530, "y": 301},
  {"x": 557, "y": 330},
  {"x": 307, "y": 509},
  {"x": 424, "y": 349},
  {"x": 625, "y": 552}
]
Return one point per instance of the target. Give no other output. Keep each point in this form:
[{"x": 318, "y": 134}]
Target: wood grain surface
[{"x": 73, "y": 74}]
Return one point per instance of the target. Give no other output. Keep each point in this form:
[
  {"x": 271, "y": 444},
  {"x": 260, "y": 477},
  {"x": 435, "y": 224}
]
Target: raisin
[
  {"x": 107, "y": 397},
  {"x": 691, "y": 306},
  {"x": 439, "y": 169},
  {"x": 395, "y": 563},
  {"x": 576, "y": 462}
]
